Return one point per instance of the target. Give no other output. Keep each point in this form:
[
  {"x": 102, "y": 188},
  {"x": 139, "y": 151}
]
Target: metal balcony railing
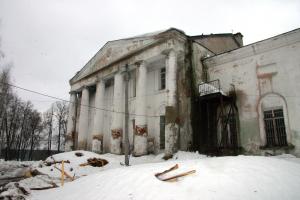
[{"x": 210, "y": 87}]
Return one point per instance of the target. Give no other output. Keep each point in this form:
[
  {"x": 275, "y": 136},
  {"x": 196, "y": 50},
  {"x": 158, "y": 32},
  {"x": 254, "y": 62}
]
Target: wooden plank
[
  {"x": 65, "y": 173},
  {"x": 174, "y": 178},
  {"x": 166, "y": 171}
]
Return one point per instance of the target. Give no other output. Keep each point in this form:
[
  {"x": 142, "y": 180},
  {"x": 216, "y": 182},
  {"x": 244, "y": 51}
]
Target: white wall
[{"x": 268, "y": 68}]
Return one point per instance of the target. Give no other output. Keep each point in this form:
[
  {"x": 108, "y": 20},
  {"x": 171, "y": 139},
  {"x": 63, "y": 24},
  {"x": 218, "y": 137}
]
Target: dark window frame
[
  {"x": 162, "y": 78},
  {"x": 275, "y": 129}
]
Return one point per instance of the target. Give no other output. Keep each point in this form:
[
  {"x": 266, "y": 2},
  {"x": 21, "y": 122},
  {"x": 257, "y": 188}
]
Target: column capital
[
  {"x": 84, "y": 87},
  {"x": 140, "y": 62},
  {"x": 72, "y": 92},
  {"x": 99, "y": 80},
  {"x": 169, "y": 52}
]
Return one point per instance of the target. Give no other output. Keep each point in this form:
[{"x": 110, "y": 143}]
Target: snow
[
  {"x": 13, "y": 190},
  {"x": 73, "y": 167},
  {"x": 39, "y": 181},
  {"x": 13, "y": 168},
  {"x": 238, "y": 177}
]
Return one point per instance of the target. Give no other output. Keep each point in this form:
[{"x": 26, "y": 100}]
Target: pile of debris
[
  {"x": 95, "y": 162},
  {"x": 18, "y": 179}
]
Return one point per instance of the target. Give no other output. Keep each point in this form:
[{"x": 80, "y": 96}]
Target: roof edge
[{"x": 263, "y": 40}]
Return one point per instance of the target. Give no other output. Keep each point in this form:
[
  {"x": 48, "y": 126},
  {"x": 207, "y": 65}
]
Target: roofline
[
  {"x": 122, "y": 59},
  {"x": 86, "y": 64},
  {"x": 297, "y": 29},
  {"x": 217, "y": 35}
]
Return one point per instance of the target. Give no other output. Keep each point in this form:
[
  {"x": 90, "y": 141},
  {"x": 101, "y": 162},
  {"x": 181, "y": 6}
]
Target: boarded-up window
[{"x": 275, "y": 128}]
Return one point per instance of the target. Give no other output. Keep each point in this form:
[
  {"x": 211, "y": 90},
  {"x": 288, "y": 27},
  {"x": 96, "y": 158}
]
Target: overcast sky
[{"x": 48, "y": 41}]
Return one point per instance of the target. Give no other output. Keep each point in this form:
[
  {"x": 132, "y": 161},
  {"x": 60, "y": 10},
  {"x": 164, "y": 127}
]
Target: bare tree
[
  {"x": 26, "y": 108},
  {"x": 35, "y": 130},
  {"x": 5, "y": 96},
  {"x": 20, "y": 124},
  {"x": 48, "y": 125},
  {"x": 61, "y": 115}
]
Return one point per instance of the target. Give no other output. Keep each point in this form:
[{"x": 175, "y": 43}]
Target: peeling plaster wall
[
  {"x": 184, "y": 105},
  {"x": 196, "y": 76},
  {"x": 270, "y": 68},
  {"x": 199, "y": 52}
]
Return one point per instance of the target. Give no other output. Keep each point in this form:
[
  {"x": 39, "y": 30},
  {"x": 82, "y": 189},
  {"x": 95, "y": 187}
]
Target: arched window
[{"x": 273, "y": 120}]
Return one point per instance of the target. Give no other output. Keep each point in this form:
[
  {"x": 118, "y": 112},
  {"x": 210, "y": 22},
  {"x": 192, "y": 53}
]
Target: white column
[
  {"x": 171, "y": 79},
  {"x": 83, "y": 119},
  {"x": 70, "y": 137},
  {"x": 98, "y": 119},
  {"x": 117, "y": 121},
  {"x": 141, "y": 132},
  {"x": 171, "y": 128}
]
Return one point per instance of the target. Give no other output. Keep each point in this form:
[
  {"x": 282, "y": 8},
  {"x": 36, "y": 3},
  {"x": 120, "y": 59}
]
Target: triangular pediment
[{"x": 114, "y": 50}]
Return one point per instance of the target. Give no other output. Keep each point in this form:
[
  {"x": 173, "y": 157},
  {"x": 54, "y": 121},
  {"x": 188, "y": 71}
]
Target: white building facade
[
  {"x": 266, "y": 76},
  {"x": 166, "y": 111},
  {"x": 159, "y": 115}
]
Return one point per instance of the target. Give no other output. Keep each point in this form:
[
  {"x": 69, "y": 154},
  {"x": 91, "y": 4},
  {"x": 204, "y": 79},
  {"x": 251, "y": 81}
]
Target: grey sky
[{"x": 48, "y": 41}]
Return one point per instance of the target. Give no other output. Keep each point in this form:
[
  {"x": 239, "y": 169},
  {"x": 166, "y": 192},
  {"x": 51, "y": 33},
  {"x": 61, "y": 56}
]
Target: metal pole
[{"x": 126, "y": 148}]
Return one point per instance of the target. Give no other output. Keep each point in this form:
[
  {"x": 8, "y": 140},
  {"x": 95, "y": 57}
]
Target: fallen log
[
  {"x": 45, "y": 188},
  {"x": 36, "y": 172},
  {"x": 55, "y": 162}
]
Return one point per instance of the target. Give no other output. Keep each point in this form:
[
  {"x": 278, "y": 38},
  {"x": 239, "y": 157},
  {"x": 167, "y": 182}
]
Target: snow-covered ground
[{"x": 239, "y": 177}]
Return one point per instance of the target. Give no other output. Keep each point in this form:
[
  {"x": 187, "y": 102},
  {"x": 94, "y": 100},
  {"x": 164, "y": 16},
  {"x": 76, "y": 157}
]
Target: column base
[
  {"x": 140, "y": 140},
  {"x": 116, "y": 141},
  {"x": 171, "y": 131},
  {"x": 97, "y": 143}
]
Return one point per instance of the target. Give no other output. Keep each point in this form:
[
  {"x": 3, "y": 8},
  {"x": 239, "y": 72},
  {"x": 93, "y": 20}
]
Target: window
[
  {"x": 162, "y": 131},
  {"x": 162, "y": 85},
  {"x": 275, "y": 127}
]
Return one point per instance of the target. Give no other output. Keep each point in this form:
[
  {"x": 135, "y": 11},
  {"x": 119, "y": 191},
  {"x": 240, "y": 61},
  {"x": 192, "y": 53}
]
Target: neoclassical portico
[{"x": 92, "y": 124}]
